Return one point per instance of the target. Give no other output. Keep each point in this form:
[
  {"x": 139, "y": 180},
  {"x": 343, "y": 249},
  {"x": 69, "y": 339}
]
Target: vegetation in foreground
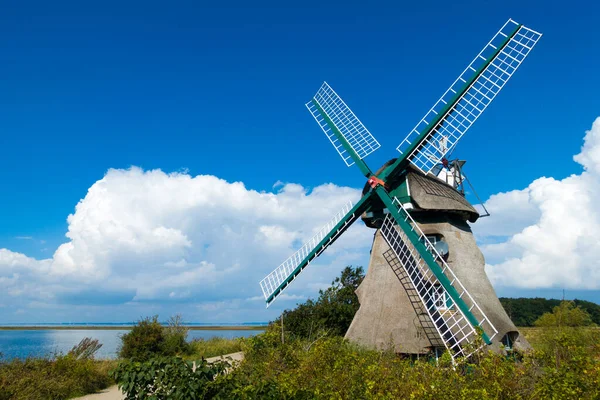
[
  {"x": 150, "y": 339},
  {"x": 158, "y": 362},
  {"x": 566, "y": 368},
  {"x": 77, "y": 373},
  {"x": 311, "y": 360},
  {"x": 566, "y": 365},
  {"x": 61, "y": 377},
  {"x": 308, "y": 359}
]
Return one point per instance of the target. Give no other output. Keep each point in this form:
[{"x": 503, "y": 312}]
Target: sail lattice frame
[
  {"x": 280, "y": 275},
  {"x": 345, "y": 121},
  {"x": 456, "y": 332},
  {"x": 460, "y": 108}
]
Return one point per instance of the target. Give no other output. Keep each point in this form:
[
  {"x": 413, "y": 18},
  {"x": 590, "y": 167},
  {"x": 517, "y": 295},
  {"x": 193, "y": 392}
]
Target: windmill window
[
  {"x": 440, "y": 299},
  {"x": 438, "y": 243}
]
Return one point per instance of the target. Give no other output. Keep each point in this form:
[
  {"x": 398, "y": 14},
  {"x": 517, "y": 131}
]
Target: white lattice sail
[
  {"x": 349, "y": 126},
  {"x": 453, "y": 327},
  {"x": 459, "y": 108},
  {"x": 282, "y": 276}
]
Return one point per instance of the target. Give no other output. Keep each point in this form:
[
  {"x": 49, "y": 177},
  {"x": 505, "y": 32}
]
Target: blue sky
[{"x": 189, "y": 86}]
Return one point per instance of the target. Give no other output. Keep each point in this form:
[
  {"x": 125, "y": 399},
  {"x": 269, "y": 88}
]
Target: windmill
[{"x": 403, "y": 200}]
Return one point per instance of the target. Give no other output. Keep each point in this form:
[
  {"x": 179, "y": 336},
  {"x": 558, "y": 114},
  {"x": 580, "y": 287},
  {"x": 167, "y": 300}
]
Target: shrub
[
  {"x": 565, "y": 314},
  {"x": 166, "y": 378},
  {"x": 149, "y": 338},
  {"x": 332, "y": 312},
  {"x": 175, "y": 334},
  {"x": 570, "y": 360},
  {"x": 144, "y": 341}
]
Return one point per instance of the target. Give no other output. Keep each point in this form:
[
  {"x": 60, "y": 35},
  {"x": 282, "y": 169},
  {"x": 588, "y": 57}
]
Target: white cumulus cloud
[
  {"x": 140, "y": 239},
  {"x": 151, "y": 236},
  {"x": 550, "y": 230}
]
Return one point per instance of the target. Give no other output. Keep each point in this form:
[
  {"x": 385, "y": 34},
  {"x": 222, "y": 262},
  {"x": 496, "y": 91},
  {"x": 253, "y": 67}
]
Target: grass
[
  {"x": 213, "y": 347},
  {"x": 77, "y": 373},
  {"x": 62, "y": 377}
]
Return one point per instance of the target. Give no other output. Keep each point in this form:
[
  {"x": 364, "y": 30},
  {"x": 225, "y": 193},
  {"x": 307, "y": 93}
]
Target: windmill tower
[{"x": 426, "y": 288}]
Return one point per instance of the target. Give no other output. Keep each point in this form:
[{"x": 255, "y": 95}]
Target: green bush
[
  {"x": 333, "y": 311},
  {"x": 567, "y": 313},
  {"x": 167, "y": 378},
  {"x": 570, "y": 361},
  {"x": 149, "y": 338},
  {"x": 61, "y": 377},
  {"x": 175, "y": 334},
  {"x": 144, "y": 341}
]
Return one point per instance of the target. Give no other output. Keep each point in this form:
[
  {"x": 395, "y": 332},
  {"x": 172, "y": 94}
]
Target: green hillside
[{"x": 524, "y": 311}]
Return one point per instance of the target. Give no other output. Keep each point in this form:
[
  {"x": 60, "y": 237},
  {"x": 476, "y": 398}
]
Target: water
[{"x": 46, "y": 342}]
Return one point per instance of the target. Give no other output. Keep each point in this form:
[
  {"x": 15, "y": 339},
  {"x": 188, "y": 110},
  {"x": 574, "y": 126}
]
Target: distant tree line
[{"x": 524, "y": 311}]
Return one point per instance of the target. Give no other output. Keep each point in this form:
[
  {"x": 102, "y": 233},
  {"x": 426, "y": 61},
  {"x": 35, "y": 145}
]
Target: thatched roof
[
  {"x": 428, "y": 193},
  {"x": 431, "y": 194}
]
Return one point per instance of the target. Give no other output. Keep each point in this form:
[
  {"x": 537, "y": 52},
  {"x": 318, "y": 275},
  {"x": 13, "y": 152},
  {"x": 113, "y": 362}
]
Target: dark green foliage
[
  {"x": 167, "y": 378},
  {"x": 149, "y": 338},
  {"x": 61, "y": 377},
  {"x": 332, "y": 312},
  {"x": 175, "y": 334},
  {"x": 524, "y": 311},
  {"x": 592, "y": 309},
  {"x": 144, "y": 341}
]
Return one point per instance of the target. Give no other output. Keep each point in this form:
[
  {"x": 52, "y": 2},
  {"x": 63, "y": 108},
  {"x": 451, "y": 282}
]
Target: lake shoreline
[
  {"x": 129, "y": 327},
  {"x": 48, "y": 342}
]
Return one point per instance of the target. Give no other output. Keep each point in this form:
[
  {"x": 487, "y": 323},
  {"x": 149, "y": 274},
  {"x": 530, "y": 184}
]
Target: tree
[
  {"x": 339, "y": 302},
  {"x": 332, "y": 312},
  {"x": 565, "y": 314},
  {"x": 524, "y": 311}
]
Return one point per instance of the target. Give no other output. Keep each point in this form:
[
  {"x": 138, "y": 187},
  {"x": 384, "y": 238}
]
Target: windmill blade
[
  {"x": 469, "y": 95},
  {"x": 278, "y": 280},
  {"x": 340, "y": 124},
  {"x": 452, "y": 323}
]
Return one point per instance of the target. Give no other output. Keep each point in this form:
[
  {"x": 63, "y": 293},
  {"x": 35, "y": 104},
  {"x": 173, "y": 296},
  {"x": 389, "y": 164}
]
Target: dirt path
[{"x": 113, "y": 392}]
